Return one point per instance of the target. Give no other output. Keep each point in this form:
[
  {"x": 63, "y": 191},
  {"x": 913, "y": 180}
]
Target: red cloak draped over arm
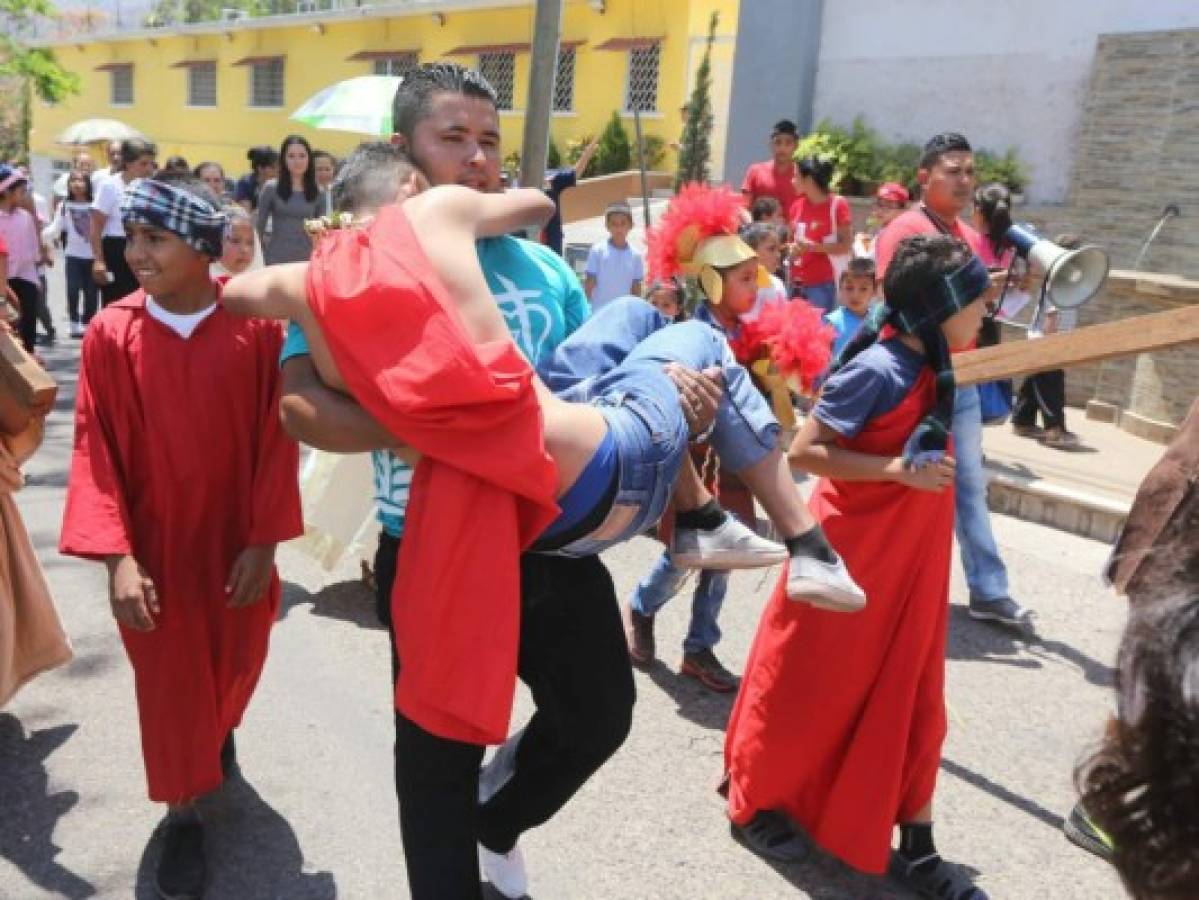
[
  {"x": 483, "y": 491},
  {"x": 96, "y": 522}
]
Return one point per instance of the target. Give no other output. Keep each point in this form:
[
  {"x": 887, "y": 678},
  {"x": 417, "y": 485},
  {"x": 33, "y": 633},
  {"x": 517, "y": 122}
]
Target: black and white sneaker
[
  {"x": 826, "y": 585},
  {"x": 731, "y": 545},
  {"x": 182, "y": 868},
  {"x": 1003, "y": 610}
]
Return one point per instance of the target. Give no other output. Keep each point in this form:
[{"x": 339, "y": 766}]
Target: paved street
[{"x": 314, "y": 817}]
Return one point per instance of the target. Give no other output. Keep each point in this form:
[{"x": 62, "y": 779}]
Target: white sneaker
[
  {"x": 824, "y": 585},
  {"x": 731, "y": 546},
  {"x": 505, "y": 871}
]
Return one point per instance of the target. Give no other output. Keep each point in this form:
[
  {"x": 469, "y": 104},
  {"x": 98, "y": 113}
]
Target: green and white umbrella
[
  {"x": 361, "y": 105},
  {"x": 96, "y": 131}
]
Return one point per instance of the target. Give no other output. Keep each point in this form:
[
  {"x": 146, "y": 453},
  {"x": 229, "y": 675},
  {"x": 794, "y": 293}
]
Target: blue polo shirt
[{"x": 542, "y": 302}]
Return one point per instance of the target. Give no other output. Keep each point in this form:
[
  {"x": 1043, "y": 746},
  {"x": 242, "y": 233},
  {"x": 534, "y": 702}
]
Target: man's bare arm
[{"x": 320, "y": 417}]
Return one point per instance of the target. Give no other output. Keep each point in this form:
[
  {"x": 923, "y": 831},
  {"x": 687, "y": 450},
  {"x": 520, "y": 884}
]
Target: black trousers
[
  {"x": 574, "y": 658},
  {"x": 123, "y": 283},
  {"x": 27, "y": 293},
  {"x": 80, "y": 286},
  {"x": 1044, "y": 393}
]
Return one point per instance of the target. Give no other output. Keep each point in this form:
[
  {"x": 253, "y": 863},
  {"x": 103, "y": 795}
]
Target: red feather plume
[
  {"x": 793, "y": 336},
  {"x": 711, "y": 210}
]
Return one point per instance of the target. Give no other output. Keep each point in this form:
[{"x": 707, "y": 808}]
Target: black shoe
[
  {"x": 705, "y": 668},
  {"x": 933, "y": 878},
  {"x": 639, "y": 631},
  {"x": 770, "y": 835},
  {"x": 229, "y": 766},
  {"x": 182, "y": 869},
  {"x": 1003, "y": 610},
  {"x": 1084, "y": 833}
]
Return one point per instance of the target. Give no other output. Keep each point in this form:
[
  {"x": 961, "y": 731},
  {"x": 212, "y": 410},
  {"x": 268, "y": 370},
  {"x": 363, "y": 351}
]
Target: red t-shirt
[
  {"x": 764, "y": 180},
  {"x": 814, "y": 222},
  {"x": 913, "y": 222}
]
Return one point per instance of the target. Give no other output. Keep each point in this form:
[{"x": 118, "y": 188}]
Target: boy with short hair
[
  {"x": 183, "y": 482},
  {"x": 855, "y": 294},
  {"x": 614, "y": 269},
  {"x": 775, "y": 177}
]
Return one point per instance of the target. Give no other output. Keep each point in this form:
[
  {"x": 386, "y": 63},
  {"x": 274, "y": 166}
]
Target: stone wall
[{"x": 1138, "y": 149}]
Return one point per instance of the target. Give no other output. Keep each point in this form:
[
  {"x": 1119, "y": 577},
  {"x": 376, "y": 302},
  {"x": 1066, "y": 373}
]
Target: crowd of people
[{"x": 420, "y": 324}]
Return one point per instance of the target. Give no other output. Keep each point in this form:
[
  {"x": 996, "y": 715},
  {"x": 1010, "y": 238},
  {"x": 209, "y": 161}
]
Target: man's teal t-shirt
[{"x": 542, "y": 302}]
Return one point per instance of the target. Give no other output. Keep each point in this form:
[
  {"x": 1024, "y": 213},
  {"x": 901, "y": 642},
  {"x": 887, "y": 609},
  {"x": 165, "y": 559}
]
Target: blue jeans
[
  {"x": 664, "y": 581},
  {"x": 615, "y": 361},
  {"x": 986, "y": 574},
  {"x": 823, "y": 296}
]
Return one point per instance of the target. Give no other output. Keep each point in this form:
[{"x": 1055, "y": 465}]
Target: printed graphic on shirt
[{"x": 527, "y": 318}]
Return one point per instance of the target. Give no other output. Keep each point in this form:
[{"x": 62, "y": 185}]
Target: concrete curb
[{"x": 1056, "y": 505}]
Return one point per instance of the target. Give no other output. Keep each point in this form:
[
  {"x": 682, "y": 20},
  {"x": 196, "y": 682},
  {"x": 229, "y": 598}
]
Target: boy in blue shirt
[
  {"x": 854, "y": 296},
  {"x": 614, "y": 269}
]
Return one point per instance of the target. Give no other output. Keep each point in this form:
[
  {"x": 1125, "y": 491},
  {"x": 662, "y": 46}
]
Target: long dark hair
[
  {"x": 819, "y": 170},
  {"x": 994, "y": 203},
  {"x": 87, "y": 181},
  {"x": 1141, "y": 785},
  {"x": 283, "y": 183}
]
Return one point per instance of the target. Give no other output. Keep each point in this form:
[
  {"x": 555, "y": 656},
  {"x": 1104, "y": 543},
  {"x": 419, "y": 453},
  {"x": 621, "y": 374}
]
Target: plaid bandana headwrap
[
  {"x": 948, "y": 296},
  {"x": 200, "y": 224}
]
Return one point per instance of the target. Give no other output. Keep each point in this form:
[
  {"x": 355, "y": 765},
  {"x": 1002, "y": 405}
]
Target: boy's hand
[
  {"x": 933, "y": 478},
  {"x": 250, "y": 576},
  {"x": 132, "y": 594}
]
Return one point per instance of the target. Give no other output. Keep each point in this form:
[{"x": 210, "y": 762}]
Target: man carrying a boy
[
  {"x": 946, "y": 176},
  {"x": 183, "y": 482}
]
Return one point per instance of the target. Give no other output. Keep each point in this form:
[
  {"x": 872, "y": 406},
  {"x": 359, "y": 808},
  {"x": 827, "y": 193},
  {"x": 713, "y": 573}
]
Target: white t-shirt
[
  {"x": 776, "y": 293},
  {"x": 183, "y": 324},
  {"x": 73, "y": 219},
  {"x": 614, "y": 270},
  {"x": 108, "y": 201}
]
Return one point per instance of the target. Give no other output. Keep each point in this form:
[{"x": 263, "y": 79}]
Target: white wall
[{"x": 1011, "y": 73}]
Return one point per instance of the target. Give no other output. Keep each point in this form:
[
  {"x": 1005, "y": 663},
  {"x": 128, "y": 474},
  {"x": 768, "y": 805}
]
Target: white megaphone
[{"x": 1072, "y": 277}]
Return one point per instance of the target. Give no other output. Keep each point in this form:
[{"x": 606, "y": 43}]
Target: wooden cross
[{"x": 1094, "y": 343}]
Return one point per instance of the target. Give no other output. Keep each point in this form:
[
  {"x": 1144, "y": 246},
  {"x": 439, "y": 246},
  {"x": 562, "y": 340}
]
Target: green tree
[
  {"x": 695, "y": 149},
  {"x": 32, "y": 71},
  {"x": 615, "y": 153}
]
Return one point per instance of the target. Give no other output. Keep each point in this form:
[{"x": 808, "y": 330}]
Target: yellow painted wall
[{"x": 315, "y": 60}]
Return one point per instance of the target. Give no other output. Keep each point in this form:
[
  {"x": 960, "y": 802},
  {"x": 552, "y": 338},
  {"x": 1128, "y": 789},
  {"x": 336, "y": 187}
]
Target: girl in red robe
[
  {"x": 182, "y": 481},
  {"x": 840, "y": 720}
]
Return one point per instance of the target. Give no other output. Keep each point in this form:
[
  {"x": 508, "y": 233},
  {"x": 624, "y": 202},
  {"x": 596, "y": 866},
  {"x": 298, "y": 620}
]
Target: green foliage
[
  {"x": 553, "y": 156},
  {"x": 653, "y": 147},
  {"x": 1007, "y": 169},
  {"x": 863, "y": 159},
  {"x": 855, "y": 153},
  {"x": 34, "y": 71},
  {"x": 178, "y": 12},
  {"x": 695, "y": 149},
  {"x": 615, "y": 153},
  {"x": 512, "y": 162}
]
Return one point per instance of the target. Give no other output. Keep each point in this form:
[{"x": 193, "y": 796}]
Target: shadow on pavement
[
  {"x": 824, "y": 877},
  {"x": 30, "y": 812},
  {"x": 693, "y": 702},
  {"x": 350, "y": 601},
  {"x": 252, "y": 851},
  {"x": 974, "y": 641},
  {"x": 999, "y": 792}
]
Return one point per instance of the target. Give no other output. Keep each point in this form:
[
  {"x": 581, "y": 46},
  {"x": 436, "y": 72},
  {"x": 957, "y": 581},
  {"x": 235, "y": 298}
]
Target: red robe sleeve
[
  {"x": 275, "y": 506},
  {"x": 96, "y": 520}
]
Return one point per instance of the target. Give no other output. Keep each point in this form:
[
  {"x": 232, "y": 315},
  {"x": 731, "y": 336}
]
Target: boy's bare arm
[
  {"x": 487, "y": 215},
  {"x": 276, "y": 292},
  {"x": 814, "y": 450}
]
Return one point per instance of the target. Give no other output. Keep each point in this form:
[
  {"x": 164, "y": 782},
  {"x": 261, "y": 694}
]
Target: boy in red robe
[
  {"x": 182, "y": 482},
  {"x": 840, "y": 720}
]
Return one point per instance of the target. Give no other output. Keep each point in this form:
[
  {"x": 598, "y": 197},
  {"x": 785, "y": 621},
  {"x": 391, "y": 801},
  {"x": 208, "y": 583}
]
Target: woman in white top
[{"x": 73, "y": 218}]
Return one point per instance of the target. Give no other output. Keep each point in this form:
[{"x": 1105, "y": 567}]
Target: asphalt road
[{"x": 314, "y": 817}]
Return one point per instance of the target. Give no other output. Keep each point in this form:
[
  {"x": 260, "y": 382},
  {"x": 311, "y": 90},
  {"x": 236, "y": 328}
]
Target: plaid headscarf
[
  {"x": 161, "y": 205},
  {"x": 922, "y": 318}
]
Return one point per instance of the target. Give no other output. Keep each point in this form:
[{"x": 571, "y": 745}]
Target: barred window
[
  {"x": 500, "y": 71},
  {"x": 564, "y": 81},
  {"x": 641, "y": 88},
  {"x": 400, "y": 64},
  {"x": 120, "y": 84},
  {"x": 201, "y": 84},
  {"x": 266, "y": 83}
]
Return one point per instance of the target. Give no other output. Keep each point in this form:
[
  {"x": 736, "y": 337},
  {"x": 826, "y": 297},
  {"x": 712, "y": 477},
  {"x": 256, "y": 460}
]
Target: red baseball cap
[{"x": 892, "y": 191}]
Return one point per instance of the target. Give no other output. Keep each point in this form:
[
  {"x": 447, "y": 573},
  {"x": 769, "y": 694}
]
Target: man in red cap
[{"x": 890, "y": 201}]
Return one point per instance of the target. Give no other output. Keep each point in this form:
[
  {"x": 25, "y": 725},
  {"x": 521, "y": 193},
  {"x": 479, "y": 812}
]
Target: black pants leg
[
  {"x": 575, "y": 660},
  {"x": 1024, "y": 410},
  {"x": 80, "y": 287},
  {"x": 123, "y": 283},
  {"x": 43, "y": 308},
  {"x": 26, "y": 292},
  {"x": 387, "y": 555},
  {"x": 1051, "y": 396}
]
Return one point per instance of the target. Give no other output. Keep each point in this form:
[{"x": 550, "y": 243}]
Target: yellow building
[{"x": 211, "y": 90}]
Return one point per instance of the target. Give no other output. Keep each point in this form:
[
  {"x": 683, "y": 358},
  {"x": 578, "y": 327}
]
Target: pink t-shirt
[
  {"x": 814, "y": 222},
  {"x": 19, "y": 231},
  {"x": 910, "y": 223},
  {"x": 762, "y": 179}
]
